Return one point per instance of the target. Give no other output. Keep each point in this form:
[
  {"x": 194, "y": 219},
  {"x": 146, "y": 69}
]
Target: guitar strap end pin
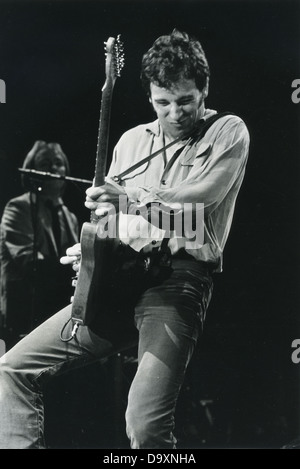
[{"x": 75, "y": 329}]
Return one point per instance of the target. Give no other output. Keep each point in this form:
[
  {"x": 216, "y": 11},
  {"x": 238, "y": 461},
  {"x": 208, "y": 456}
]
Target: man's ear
[
  {"x": 151, "y": 104},
  {"x": 206, "y": 88}
]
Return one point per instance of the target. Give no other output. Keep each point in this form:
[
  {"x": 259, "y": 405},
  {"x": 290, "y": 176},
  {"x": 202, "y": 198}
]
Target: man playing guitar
[{"x": 157, "y": 298}]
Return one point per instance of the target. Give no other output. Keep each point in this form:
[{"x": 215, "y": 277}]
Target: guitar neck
[
  {"x": 96, "y": 252},
  {"x": 103, "y": 134},
  {"x": 114, "y": 63}
]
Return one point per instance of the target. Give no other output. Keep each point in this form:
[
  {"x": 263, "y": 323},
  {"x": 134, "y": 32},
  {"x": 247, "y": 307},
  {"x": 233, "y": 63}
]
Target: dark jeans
[{"x": 168, "y": 316}]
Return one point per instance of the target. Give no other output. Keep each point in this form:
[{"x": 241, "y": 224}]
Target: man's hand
[
  {"x": 104, "y": 198},
  {"x": 73, "y": 257}
]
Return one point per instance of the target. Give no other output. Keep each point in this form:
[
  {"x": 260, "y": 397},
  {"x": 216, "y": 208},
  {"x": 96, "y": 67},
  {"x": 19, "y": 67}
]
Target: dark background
[{"x": 52, "y": 60}]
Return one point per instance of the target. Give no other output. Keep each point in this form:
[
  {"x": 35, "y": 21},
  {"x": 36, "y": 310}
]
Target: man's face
[
  {"x": 50, "y": 162},
  {"x": 178, "y": 108}
]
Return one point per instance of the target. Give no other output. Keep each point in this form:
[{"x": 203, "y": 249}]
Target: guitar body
[
  {"x": 93, "y": 282},
  {"x": 94, "y": 277}
]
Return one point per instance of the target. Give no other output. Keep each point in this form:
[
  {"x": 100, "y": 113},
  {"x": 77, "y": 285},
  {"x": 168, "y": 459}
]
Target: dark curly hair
[{"x": 172, "y": 58}]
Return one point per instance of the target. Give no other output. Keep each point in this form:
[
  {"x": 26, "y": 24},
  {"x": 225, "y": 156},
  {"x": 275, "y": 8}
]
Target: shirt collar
[{"x": 154, "y": 128}]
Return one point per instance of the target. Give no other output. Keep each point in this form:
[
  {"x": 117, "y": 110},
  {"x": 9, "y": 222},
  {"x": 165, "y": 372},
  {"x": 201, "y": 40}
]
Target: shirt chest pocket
[{"x": 195, "y": 154}]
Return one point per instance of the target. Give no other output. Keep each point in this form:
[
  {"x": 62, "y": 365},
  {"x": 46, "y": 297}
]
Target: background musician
[{"x": 36, "y": 228}]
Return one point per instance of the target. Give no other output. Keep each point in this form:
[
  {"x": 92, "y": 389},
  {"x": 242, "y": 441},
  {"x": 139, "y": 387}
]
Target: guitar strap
[{"x": 197, "y": 132}]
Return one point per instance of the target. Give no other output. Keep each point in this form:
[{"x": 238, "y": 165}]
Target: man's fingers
[
  {"x": 74, "y": 250},
  {"x": 105, "y": 210},
  {"x": 68, "y": 260},
  {"x": 100, "y": 208},
  {"x": 94, "y": 192},
  {"x": 91, "y": 205},
  {"x": 73, "y": 255}
]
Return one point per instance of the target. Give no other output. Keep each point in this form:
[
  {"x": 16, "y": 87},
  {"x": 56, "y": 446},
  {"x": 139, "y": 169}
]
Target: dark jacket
[{"x": 30, "y": 291}]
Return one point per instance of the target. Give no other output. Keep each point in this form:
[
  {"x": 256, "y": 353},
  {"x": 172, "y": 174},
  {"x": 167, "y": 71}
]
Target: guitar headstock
[{"x": 114, "y": 52}]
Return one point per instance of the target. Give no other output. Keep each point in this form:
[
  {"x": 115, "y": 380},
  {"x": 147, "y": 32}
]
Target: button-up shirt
[{"x": 206, "y": 171}]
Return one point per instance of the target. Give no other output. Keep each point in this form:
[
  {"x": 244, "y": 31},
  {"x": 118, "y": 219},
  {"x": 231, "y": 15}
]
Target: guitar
[{"x": 96, "y": 251}]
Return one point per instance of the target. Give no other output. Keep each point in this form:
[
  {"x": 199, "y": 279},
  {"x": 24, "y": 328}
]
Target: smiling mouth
[{"x": 178, "y": 123}]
